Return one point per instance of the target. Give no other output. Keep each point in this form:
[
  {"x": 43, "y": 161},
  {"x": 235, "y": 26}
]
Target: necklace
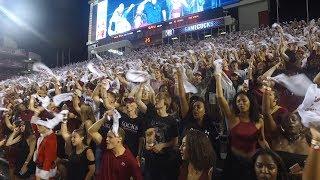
[{"x": 291, "y": 137}]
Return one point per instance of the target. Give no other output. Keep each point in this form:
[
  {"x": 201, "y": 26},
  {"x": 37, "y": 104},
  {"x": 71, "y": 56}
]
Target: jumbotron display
[{"x": 116, "y": 16}]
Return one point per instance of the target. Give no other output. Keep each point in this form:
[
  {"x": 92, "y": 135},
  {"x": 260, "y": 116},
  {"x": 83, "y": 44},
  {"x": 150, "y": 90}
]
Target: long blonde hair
[{"x": 87, "y": 113}]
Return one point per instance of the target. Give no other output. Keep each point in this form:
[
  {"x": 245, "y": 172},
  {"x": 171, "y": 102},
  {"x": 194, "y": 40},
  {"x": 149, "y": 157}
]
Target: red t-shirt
[{"x": 118, "y": 168}]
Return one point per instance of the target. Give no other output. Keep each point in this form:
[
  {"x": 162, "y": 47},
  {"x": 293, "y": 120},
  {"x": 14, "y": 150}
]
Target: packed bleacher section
[
  {"x": 244, "y": 105},
  {"x": 13, "y": 60}
]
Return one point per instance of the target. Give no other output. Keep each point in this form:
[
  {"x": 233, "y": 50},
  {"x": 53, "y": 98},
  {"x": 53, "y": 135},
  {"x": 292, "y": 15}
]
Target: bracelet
[
  {"x": 64, "y": 121},
  {"x": 26, "y": 162}
]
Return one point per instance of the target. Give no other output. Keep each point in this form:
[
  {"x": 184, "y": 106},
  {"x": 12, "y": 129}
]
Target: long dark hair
[
  {"x": 254, "y": 113},
  {"x": 282, "y": 169},
  {"x": 28, "y": 129},
  {"x": 82, "y": 133},
  {"x": 200, "y": 151}
]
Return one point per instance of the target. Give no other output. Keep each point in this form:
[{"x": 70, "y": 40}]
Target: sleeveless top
[
  {"x": 244, "y": 136},
  {"x": 78, "y": 165},
  {"x": 184, "y": 173},
  {"x": 291, "y": 159},
  {"x": 22, "y": 152}
]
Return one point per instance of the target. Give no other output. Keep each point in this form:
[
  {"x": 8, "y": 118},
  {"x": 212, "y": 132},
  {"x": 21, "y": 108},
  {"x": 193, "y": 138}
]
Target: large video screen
[{"x": 119, "y": 16}]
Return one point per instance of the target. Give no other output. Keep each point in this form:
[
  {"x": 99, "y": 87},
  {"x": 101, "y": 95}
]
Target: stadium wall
[{"x": 248, "y": 13}]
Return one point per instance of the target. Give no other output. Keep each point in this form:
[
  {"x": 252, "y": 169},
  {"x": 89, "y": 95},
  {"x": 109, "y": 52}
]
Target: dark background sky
[
  {"x": 294, "y": 9},
  {"x": 64, "y": 23}
]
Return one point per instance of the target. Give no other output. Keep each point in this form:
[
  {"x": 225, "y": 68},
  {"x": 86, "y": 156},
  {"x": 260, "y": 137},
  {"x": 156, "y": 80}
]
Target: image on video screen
[{"x": 116, "y": 16}]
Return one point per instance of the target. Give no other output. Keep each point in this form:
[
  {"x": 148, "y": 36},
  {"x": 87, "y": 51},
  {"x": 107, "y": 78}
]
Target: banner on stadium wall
[{"x": 214, "y": 23}]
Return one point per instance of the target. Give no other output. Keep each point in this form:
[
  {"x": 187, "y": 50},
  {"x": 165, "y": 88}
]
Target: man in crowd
[{"x": 117, "y": 160}]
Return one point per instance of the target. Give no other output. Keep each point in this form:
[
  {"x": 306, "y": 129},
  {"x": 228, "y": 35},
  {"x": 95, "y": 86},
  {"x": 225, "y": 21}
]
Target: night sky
[{"x": 62, "y": 23}]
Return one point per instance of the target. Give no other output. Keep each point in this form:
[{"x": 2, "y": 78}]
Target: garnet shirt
[{"x": 118, "y": 168}]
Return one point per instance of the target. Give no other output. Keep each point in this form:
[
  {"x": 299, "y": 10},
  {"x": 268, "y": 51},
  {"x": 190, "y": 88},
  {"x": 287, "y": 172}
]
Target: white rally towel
[
  {"x": 137, "y": 76},
  {"x": 297, "y": 84},
  {"x": 50, "y": 123},
  {"x": 58, "y": 99},
  {"x": 85, "y": 78},
  {"x": 228, "y": 89},
  {"x": 309, "y": 110},
  {"x": 41, "y": 68},
  {"x": 188, "y": 87},
  {"x": 3, "y": 109},
  {"x": 95, "y": 71},
  {"x": 45, "y": 101},
  {"x": 218, "y": 65},
  {"x": 115, "y": 125}
]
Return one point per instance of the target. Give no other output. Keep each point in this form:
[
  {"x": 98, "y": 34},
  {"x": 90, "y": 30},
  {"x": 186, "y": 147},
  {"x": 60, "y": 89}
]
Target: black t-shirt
[
  {"x": 134, "y": 130},
  {"x": 165, "y": 128},
  {"x": 209, "y": 127}
]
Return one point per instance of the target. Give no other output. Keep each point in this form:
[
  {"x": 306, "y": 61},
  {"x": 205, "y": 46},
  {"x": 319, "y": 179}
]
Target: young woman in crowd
[
  {"x": 246, "y": 132},
  {"x": 269, "y": 166},
  {"x": 287, "y": 135},
  {"x": 198, "y": 156},
  {"x": 24, "y": 141},
  {"x": 194, "y": 115},
  {"x": 85, "y": 110},
  {"x": 81, "y": 164}
]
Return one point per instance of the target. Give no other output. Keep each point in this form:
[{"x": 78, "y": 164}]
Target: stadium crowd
[{"x": 244, "y": 105}]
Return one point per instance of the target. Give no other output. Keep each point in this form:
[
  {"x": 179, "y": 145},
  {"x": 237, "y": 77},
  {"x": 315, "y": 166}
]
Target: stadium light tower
[
  {"x": 278, "y": 19},
  {"x": 307, "y": 9}
]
